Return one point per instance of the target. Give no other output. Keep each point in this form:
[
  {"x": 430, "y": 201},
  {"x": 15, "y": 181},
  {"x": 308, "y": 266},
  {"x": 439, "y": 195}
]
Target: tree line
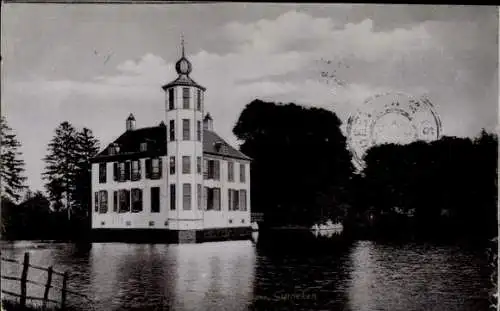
[
  {"x": 302, "y": 173},
  {"x": 63, "y": 210}
]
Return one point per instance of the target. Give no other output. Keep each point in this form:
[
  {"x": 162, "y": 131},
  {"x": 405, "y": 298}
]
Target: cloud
[{"x": 278, "y": 60}]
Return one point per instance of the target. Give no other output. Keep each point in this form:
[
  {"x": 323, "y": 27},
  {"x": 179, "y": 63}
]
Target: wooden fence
[{"x": 23, "y": 296}]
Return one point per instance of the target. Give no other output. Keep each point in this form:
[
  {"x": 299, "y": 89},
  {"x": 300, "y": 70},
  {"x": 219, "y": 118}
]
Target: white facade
[
  {"x": 167, "y": 218},
  {"x": 188, "y": 194}
]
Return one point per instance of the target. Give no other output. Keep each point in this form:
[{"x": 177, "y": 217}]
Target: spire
[
  {"x": 182, "y": 45},
  {"x": 183, "y": 66}
]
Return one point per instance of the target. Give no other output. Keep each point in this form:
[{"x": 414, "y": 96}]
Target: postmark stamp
[{"x": 391, "y": 118}]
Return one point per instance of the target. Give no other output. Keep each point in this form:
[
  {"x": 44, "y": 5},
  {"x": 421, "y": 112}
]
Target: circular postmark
[{"x": 391, "y": 118}]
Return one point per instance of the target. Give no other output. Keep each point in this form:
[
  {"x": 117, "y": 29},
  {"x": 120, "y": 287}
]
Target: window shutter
[
  {"x": 160, "y": 167},
  {"x": 96, "y": 201},
  {"x": 148, "y": 168},
  {"x": 139, "y": 168},
  {"x": 115, "y": 171},
  {"x": 127, "y": 200},
  {"x": 205, "y": 169},
  {"x": 205, "y": 198},
  {"x": 115, "y": 201},
  {"x": 127, "y": 170},
  {"x": 217, "y": 170},
  {"x": 217, "y": 195}
]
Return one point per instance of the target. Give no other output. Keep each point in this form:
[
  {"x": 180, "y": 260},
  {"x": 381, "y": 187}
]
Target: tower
[{"x": 184, "y": 123}]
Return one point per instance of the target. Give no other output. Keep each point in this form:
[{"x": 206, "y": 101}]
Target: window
[
  {"x": 213, "y": 198},
  {"x": 185, "y": 97},
  {"x": 198, "y": 100},
  {"x": 216, "y": 199},
  {"x": 243, "y": 200},
  {"x": 198, "y": 130},
  {"x": 136, "y": 170},
  {"x": 121, "y": 171},
  {"x": 213, "y": 169},
  {"x": 172, "y": 197},
  {"x": 171, "y": 99},
  {"x": 235, "y": 200},
  {"x": 230, "y": 171},
  {"x": 144, "y": 147},
  {"x": 155, "y": 199},
  {"x": 102, "y": 173},
  {"x": 186, "y": 165},
  {"x": 115, "y": 201},
  {"x": 136, "y": 200},
  {"x": 242, "y": 173},
  {"x": 124, "y": 205},
  {"x": 153, "y": 168},
  {"x": 198, "y": 165},
  {"x": 172, "y": 165},
  {"x": 185, "y": 129},
  {"x": 199, "y": 198},
  {"x": 186, "y": 196},
  {"x": 172, "y": 130},
  {"x": 103, "y": 202}
]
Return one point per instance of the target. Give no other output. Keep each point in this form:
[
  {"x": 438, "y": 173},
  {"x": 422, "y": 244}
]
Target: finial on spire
[
  {"x": 182, "y": 44},
  {"x": 183, "y": 66}
]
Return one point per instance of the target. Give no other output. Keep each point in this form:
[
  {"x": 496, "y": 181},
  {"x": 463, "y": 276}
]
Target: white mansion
[{"x": 178, "y": 179}]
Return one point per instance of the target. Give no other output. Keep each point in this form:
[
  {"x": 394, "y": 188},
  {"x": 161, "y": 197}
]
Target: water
[{"x": 275, "y": 275}]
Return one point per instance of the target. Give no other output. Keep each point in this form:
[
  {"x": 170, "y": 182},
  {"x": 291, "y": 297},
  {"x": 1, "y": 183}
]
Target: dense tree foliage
[
  {"x": 67, "y": 169},
  {"x": 11, "y": 164},
  {"x": 301, "y": 167},
  {"x": 449, "y": 182}
]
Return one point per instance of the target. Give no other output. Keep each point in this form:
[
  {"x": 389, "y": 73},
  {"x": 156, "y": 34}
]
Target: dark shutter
[
  {"x": 139, "y": 168},
  {"x": 127, "y": 200},
  {"x": 115, "y": 171},
  {"x": 127, "y": 170},
  {"x": 115, "y": 201},
  {"x": 96, "y": 201},
  {"x": 148, "y": 168},
  {"x": 160, "y": 166}
]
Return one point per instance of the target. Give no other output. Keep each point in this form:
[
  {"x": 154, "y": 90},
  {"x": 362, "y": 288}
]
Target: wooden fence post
[
  {"x": 63, "y": 291},
  {"x": 24, "y": 277},
  {"x": 47, "y": 287}
]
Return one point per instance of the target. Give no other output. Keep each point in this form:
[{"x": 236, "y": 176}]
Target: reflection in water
[
  {"x": 416, "y": 277},
  {"x": 271, "y": 274}
]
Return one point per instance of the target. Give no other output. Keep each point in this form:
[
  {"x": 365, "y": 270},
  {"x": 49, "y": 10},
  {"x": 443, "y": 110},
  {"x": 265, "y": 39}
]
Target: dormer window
[
  {"x": 114, "y": 149},
  {"x": 218, "y": 146},
  {"x": 144, "y": 147}
]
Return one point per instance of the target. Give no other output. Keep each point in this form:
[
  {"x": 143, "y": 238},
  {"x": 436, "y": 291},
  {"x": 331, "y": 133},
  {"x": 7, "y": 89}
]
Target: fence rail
[{"x": 23, "y": 296}]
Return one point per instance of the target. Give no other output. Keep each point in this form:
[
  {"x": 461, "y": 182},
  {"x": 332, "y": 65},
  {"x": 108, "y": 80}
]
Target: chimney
[
  {"x": 208, "y": 123},
  {"x": 130, "y": 124}
]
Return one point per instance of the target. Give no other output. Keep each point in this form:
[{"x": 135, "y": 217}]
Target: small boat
[
  {"x": 328, "y": 226},
  {"x": 255, "y": 226}
]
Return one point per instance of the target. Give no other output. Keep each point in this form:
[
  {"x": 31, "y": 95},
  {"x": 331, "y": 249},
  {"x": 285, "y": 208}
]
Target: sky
[{"x": 93, "y": 65}]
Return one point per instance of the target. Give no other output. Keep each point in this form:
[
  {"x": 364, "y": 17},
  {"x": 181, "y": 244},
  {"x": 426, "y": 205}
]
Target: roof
[
  {"x": 156, "y": 137},
  {"x": 210, "y": 139},
  {"x": 183, "y": 80}
]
